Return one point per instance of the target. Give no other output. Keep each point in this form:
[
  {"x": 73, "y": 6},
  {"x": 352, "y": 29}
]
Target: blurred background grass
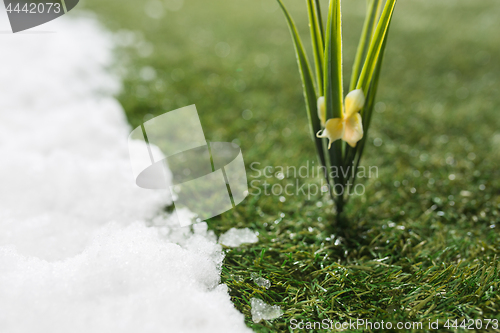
[{"x": 427, "y": 226}]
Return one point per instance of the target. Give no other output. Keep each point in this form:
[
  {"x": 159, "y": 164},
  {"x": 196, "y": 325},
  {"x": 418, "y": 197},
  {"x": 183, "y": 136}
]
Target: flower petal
[
  {"x": 353, "y": 130},
  {"x": 354, "y": 102},
  {"x": 322, "y": 110},
  {"x": 334, "y": 130}
]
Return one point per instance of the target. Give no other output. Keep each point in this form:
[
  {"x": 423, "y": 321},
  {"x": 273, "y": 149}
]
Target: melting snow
[
  {"x": 235, "y": 237},
  {"x": 260, "y": 281},
  {"x": 262, "y": 310},
  {"x": 76, "y": 254}
]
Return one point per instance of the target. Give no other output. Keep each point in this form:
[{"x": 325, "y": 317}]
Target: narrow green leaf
[
  {"x": 333, "y": 62},
  {"x": 317, "y": 8},
  {"x": 372, "y": 13},
  {"x": 370, "y": 103},
  {"x": 333, "y": 79},
  {"x": 317, "y": 43},
  {"x": 375, "y": 46},
  {"x": 353, "y": 155},
  {"x": 310, "y": 94}
]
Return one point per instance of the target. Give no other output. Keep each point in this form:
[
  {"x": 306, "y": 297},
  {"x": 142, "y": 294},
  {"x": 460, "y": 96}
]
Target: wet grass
[{"x": 421, "y": 243}]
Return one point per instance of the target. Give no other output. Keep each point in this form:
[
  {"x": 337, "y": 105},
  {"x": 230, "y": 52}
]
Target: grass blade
[
  {"x": 372, "y": 14},
  {"x": 333, "y": 62},
  {"x": 317, "y": 43},
  {"x": 376, "y": 46},
  {"x": 320, "y": 20},
  {"x": 310, "y": 94},
  {"x": 333, "y": 85},
  {"x": 370, "y": 103}
]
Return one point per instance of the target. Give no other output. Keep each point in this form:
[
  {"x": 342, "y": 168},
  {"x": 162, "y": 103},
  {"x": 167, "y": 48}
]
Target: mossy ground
[{"x": 422, "y": 242}]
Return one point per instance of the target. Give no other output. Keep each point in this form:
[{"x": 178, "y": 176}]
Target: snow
[
  {"x": 262, "y": 310},
  {"x": 82, "y": 249},
  {"x": 235, "y": 237}
]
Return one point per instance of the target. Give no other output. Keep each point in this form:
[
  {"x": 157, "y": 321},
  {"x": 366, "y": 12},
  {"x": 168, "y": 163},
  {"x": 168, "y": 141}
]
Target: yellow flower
[{"x": 349, "y": 127}]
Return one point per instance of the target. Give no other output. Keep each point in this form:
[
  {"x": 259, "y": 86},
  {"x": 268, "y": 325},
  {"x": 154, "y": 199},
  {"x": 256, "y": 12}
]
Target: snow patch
[
  {"x": 262, "y": 310},
  {"x": 235, "y": 237},
  {"x": 82, "y": 249}
]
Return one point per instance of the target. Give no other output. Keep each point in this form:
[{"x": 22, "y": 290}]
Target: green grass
[{"x": 423, "y": 241}]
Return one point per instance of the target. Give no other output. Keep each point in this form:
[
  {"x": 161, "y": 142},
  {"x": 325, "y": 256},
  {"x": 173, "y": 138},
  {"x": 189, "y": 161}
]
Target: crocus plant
[{"x": 339, "y": 126}]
